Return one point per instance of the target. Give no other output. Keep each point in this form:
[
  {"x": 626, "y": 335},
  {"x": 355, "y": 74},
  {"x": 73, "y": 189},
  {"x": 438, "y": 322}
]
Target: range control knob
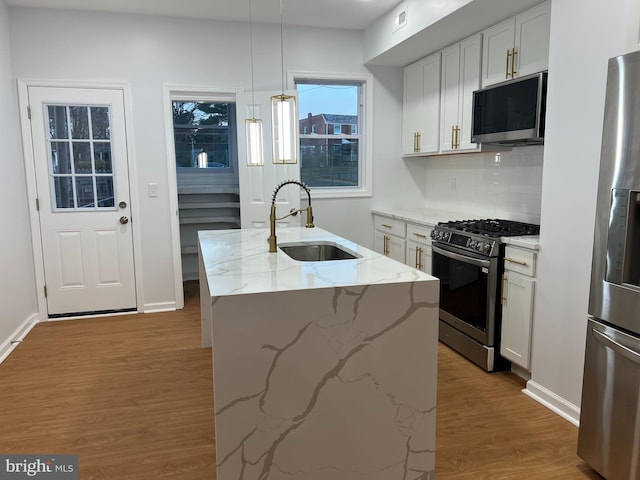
[
  {"x": 486, "y": 248},
  {"x": 472, "y": 243}
]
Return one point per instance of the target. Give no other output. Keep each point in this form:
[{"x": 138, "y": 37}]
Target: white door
[
  {"x": 80, "y": 160},
  {"x": 257, "y": 183}
]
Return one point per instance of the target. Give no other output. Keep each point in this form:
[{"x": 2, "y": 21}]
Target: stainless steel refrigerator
[{"x": 609, "y": 438}]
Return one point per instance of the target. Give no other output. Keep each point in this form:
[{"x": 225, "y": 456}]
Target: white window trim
[{"x": 366, "y": 154}]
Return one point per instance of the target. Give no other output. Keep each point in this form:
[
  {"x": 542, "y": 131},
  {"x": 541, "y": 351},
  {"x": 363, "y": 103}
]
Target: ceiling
[{"x": 349, "y": 14}]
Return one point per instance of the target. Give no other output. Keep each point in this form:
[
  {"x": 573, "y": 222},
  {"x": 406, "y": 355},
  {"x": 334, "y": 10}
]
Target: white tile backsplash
[{"x": 487, "y": 185}]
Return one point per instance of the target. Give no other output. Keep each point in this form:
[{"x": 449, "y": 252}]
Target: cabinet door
[
  {"x": 470, "y": 54},
  {"x": 517, "y": 315},
  {"x": 411, "y": 106},
  {"x": 421, "y": 106},
  {"x": 532, "y": 40},
  {"x": 449, "y": 96},
  {"x": 497, "y": 41},
  {"x": 389, "y": 245},
  {"x": 430, "y": 130}
]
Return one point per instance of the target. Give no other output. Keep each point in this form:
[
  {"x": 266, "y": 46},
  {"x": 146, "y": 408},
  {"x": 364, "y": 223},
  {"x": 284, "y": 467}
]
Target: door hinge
[
  {"x": 37, "y": 204},
  {"x": 45, "y": 291},
  {"x": 29, "y": 112}
]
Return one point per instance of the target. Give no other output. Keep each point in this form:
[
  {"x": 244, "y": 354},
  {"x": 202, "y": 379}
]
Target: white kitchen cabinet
[
  {"x": 460, "y": 77},
  {"x": 390, "y": 237},
  {"x": 419, "y": 247},
  {"x": 421, "y": 107},
  {"x": 517, "y": 305},
  {"x": 517, "y": 46}
]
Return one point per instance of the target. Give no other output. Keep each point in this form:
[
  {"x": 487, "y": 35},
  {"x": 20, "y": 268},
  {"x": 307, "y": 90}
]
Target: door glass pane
[
  {"x": 60, "y": 161},
  {"x": 84, "y": 192},
  {"x": 58, "y": 121},
  {"x": 79, "y": 122},
  {"x": 102, "y": 154},
  {"x": 104, "y": 187},
  {"x": 63, "y": 187},
  {"x": 100, "y": 123},
  {"x": 82, "y": 157},
  {"x": 82, "y": 169}
]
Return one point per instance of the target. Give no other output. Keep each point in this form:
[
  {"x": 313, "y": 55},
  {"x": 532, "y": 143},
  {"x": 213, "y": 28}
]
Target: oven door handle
[{"x": 463, "y": 258}]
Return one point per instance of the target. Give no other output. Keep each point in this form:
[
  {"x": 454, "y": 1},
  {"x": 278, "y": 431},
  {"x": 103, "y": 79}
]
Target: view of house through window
[
  {"x": 203, "y": 133},
  {"x": 329, "y": 133}
]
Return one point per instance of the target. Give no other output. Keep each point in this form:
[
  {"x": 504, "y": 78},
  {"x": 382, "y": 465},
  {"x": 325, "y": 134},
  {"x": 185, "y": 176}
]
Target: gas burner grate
[{"x": 493, "y": 227}]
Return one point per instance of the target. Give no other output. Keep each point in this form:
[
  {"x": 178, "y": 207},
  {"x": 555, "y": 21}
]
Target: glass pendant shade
[
  {"x": 284, "y": 115},
  {"x": 255, "y": 142}
]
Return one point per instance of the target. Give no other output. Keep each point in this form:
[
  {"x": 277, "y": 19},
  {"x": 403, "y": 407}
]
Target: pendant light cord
[
  {"x": 253, "y": 99},
  {"x": 282, "y": 47}
]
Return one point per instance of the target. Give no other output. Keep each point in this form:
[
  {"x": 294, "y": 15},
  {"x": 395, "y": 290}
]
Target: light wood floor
[{"x": 132, "y": 396}]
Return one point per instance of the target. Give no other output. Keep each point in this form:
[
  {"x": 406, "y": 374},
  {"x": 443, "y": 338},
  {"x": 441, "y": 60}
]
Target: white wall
[
  {"x": 486, "y": 185},
  {"x": 584, "y": 35},
  {"x": 148, "y": 52},
  {"x": 17, "y": 284}
]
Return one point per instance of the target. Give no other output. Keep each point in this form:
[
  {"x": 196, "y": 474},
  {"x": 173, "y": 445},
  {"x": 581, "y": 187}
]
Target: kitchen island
[{"x": 321, "y": 369}]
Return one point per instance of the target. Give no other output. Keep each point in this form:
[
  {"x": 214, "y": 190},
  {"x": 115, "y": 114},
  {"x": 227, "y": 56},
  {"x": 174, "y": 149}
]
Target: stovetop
[
  {"x": 481, "y": 236},
  {"x": 493, "y": 227}
]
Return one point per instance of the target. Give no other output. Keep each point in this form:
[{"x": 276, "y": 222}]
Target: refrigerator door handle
[{"x": 607, "y": 341}]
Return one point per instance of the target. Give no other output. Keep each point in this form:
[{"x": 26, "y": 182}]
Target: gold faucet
[{"x": 273, "y": 243}]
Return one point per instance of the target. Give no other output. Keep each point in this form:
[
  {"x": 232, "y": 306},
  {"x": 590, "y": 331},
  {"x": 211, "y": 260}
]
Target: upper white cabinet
[
  {"x": 460, "y": 77},
  {"x": 421, "y": 106},
  {"x": 517, "y": 46}
]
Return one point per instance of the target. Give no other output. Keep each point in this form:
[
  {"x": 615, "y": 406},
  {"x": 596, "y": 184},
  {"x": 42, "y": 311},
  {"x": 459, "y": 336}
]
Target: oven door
[{"x": 468, "y": 291}]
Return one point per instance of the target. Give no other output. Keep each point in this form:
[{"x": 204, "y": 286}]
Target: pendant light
[
  {"x": 253, "y": 126},
  {"x": 284, "y": 117}
]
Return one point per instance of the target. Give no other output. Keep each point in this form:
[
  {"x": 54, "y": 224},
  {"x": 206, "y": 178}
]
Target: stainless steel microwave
[{"x": 511, "y": 112}]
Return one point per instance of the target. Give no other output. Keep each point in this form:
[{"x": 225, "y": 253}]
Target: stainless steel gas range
[{"x": 468, "y": 258}]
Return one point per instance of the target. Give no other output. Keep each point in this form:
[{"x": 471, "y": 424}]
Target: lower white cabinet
[
  {"x": 409, "y": 243},
  {"x": 390, "y": 237},
  {"x": 419, "y": 247},
  {"x": 518, "y": 288}
]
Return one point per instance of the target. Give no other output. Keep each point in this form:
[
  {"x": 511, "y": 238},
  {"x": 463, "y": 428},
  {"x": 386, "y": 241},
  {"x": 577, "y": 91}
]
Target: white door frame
[
  {"x": 169, "y": 92},
  {"x": 32, "y": 192}
]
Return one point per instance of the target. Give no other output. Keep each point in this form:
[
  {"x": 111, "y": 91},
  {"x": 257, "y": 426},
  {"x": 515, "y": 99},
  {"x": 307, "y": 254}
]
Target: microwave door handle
[
  {"x": 607, "y": 341},
  {"x": 463, "y": 258}
]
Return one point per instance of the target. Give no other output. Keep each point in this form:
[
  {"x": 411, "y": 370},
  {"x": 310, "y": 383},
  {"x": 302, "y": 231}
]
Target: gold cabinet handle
[
  {"x": 457, "y": 136},
  {"x": 417, "y": 261},
  {"x": 385, "y": 225},
  {"x": 420, "y": 258},
  {"x": 514, "y": 52},
  {"x": 504, "y": 298},
  {"x": 506, "y": 69},
  {"x": 418, "y": 140},
  {"x": 385, "y": 246},
  {"x": 420, "y": 235},
  {"x": 453, "y": 131},
  {"x": 415, "y": 142},
  {"x": 518, "y": 262}
]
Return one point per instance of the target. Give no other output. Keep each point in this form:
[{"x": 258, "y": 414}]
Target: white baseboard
[
  {"x": 159, "y": 307},
  {"x": 553, "y": 402},
  {"x": 17, "y": 336}
]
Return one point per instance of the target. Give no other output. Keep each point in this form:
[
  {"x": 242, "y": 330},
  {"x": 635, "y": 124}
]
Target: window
[
  {"x": 204, "y": 134},
  {"x": 334, "y": 158}
]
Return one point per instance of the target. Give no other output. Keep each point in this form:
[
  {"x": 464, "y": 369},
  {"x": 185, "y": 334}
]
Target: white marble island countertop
[
  {"x": 320, "y": 369},
  {"x": 238, "y": 262}
]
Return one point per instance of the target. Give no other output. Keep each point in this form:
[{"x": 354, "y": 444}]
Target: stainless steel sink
[{"x": 317, "y": 251}]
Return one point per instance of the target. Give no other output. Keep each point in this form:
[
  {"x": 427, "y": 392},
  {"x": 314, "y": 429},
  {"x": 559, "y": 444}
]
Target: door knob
[
  {"x": 122, "y": 204},
  {"x": 124, "y": 220}
]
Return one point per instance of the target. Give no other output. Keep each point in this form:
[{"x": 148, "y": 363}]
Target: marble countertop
[
  {"x": 238, "y": 262},
  {"x": 430, "y": 218}
]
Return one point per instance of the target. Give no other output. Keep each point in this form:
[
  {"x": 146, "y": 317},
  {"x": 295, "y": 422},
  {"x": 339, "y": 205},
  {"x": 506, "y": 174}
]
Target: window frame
[{"x": 365, "y": 116}]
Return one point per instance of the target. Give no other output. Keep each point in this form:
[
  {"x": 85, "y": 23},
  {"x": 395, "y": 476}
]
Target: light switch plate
[{"x": 152, "y": 190}]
